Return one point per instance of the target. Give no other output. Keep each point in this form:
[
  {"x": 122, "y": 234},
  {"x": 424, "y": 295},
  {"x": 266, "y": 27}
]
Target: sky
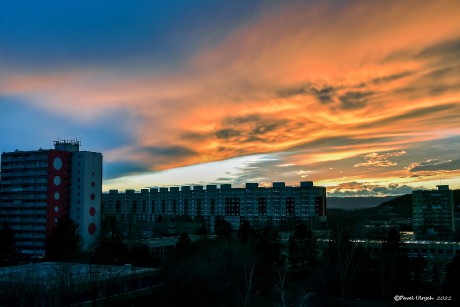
[{"x": 362, "y": 97}]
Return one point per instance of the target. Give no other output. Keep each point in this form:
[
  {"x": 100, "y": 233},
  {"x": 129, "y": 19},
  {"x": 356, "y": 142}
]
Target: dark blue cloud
[
  {"x": 27, "y": 128},
  {"x": 123, "y": 168},
  {"x": 72, "y": 32},
  {"x": 436, "y": 165}
]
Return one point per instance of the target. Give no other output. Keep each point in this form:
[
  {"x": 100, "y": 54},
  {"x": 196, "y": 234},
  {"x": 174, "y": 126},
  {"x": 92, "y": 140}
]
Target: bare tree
[
  {"x": 65, "y": 278},
  {"x": 248, "y": 282},
  {"x": 346, "y": 253},
  {"x": 98, "y": 277},
  {"x": 392, "y": 266},
  {"x": 21, "y": 287},
  {"x": 322, "y": 268},
  {"x": 381, "y": 268},
  {"x": 281, "y": 285},
  {"x": 304, "y": 300},
  {"x": 79, "y": 281}
]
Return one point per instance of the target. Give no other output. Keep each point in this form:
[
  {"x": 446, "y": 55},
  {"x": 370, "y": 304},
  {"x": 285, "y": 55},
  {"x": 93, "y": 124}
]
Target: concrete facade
[
  {"x": 278, "y": 205},
  {"x": 433, "y": 211},
  {"x": 38, "y": 187}
]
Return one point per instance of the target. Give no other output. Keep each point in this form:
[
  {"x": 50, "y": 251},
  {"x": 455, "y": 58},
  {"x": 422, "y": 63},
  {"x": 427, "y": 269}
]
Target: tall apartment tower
[
  {"x": 38, "y": 187},
  {"x": 433, "y": 211}
]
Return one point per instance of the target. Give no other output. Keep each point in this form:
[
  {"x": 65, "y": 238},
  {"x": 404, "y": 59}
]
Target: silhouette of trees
[
  {"x": 7, "y": 244},
  {"x": 346, "y": 256},
  {"x": 302, "y": 250},
  {"x": 280, "y": 285},
  {"x": 392, "y": 266},
  {"x": 249, "y": 281},
  {"x": 418, "y": 275},
  {"x": 64, "y": 243},
  {"x": 452, "y": 281},
  {"x": 269, "y": 257},
  {"x": 247, "y": 235},
  {"x": 222, "y": 228},
  {"x": 140, "y": 256},
  {"x": 18, "y": 289},
  {"x": 202, "y": 231},
  {"x": 323, "y": 271},
  {"x": 211, "y": 273},
  {"x": 250, "y": 269},
  {"x": 183, "y": 243},
  {"x": 112, "y": 251}
]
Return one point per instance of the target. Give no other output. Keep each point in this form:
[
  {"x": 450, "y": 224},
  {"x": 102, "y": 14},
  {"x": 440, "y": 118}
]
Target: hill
[
  {"x": 401, "y": 205},
  {"x": 353, "y": 203},
  {"x": 395, "y": 207}
]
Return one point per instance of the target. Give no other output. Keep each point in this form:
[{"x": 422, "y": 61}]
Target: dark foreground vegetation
[
  {"x": 262, "y": 267},
  {"x": 254, "y": 268}
]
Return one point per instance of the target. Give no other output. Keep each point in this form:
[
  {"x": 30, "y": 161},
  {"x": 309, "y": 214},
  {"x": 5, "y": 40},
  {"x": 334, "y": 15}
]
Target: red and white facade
[
  {"x": 86, "y": 195},
  {"x": 38, "y": 187},
  {"x": 58, "y": 199}
]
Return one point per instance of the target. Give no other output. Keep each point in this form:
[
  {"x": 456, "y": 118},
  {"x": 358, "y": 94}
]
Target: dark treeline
[
  {"x": 251, "y": 267},
  {"x": 255, "y": 267}
]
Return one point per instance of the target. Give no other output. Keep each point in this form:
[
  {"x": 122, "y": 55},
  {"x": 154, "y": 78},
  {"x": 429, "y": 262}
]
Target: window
[{"x": 213, "y": 206}]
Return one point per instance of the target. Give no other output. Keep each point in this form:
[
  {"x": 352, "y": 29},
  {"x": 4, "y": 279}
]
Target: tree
[
  {"x": 159, "y": 218},
  {"x": 222, "y": 228},
  {"x": 246, "y": 233},
  {"x": 346, "y": 255},
  {"x": 248, "y": 285},
  {"x": 63, "y": 244},
  {"x": 452, "y": 282},
  {"x": 211, "y": 273},
  {"x": 183, "y": 243},
  {"x": 419, "y": 275},
  {"x": 7, "y": 242},
  {"x": 112, "y": 251},
  {"x": 269, "y": 258},
  {"x": 140, "y": 256},
  {"x": 323, "y": 272},
  {"x": 202, "y": 231},
  {"x": 302, "y": 250},
  {"x": 280, "y": 286},
  {"x": 392, "y": 266},
  {"x": 20, "y": 288}
]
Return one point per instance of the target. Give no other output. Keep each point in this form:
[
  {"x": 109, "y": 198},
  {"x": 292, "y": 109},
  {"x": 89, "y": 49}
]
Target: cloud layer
[{"x": 335, "y": 92}]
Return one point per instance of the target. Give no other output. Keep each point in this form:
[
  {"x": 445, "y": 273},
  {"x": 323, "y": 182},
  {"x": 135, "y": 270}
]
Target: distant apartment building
[
  {"x": 278, "y": 205},
  {"x": 38, "y": 187},
  {"x": 433, "y": 211}
]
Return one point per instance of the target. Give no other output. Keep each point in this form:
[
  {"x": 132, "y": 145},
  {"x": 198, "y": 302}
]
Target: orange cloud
[{"x": 382, "y": 76}]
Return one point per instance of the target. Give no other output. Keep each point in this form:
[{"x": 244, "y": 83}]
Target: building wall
[
  {"x": 58, "y": 200},
  {"x": 38, "y": 187},
  {"x": 23, "y": 206},
  {"x": 433, "y": 211},
  {"x": 278, "y": 205},
  {"x": 86, "y": 195}
]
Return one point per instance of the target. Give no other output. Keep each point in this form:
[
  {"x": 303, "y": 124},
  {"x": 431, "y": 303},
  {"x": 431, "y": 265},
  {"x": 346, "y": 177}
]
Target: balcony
[
  {"x": 28, "y": 220},
  {"x": 20, "y": 213},
  {"x": 28, "y": 228},
  {"x": 36, "y": 189},
  {"x": 28, "y": 236}
]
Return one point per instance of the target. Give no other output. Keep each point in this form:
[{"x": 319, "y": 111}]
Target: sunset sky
[{"x": 360, "y": 96}]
